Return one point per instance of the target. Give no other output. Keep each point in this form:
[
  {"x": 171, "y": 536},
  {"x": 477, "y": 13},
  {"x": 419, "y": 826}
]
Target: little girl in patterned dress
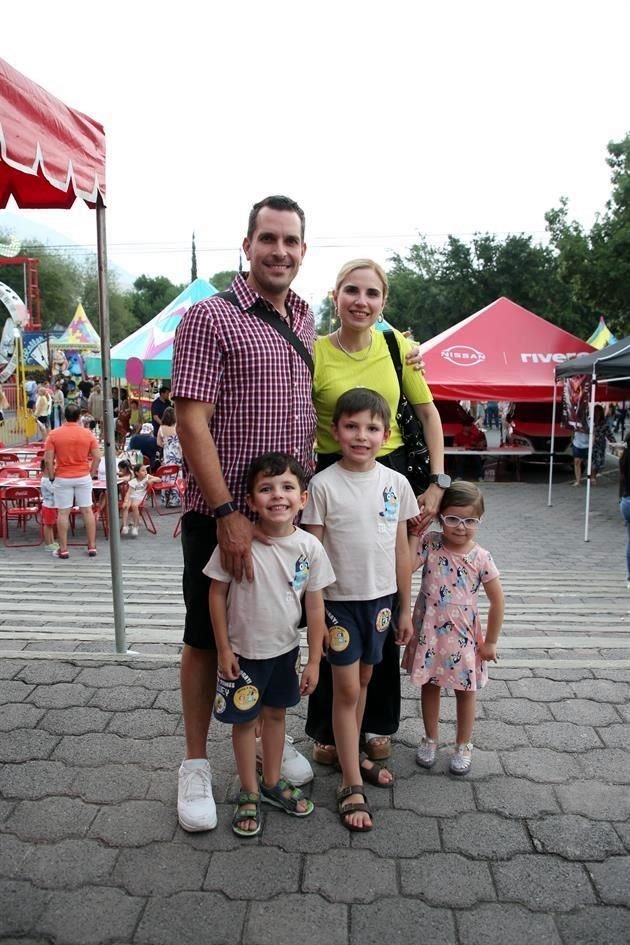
[{"x": 449, "y": 649}]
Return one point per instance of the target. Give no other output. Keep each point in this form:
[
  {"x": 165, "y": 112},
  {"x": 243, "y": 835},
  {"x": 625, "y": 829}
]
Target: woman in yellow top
[{"x": 357, "y": 355}]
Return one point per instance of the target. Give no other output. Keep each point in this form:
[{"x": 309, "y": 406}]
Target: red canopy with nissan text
[
  {"x": 50, "y": 154},
  {"x": 502, "y": 352}
]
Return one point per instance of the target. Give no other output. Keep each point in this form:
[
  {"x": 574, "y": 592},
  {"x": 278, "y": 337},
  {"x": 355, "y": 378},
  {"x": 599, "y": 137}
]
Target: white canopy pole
[
  {"x": 591, "y": 415},
  {"x": 553, "y": 437}
]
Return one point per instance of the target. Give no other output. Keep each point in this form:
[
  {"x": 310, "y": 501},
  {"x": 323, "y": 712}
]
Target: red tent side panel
[
  {"x": 50, "y": 154},
  {"x": 503, "y": 352}
]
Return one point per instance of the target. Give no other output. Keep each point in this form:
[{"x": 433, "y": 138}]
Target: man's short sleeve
[{"x": 197, "y": 358}]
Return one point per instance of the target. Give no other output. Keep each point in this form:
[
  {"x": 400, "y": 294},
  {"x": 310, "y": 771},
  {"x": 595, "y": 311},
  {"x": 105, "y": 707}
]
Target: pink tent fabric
[
  {"x": 50, "y": 154},
  {"x": 502, "y": 352}
]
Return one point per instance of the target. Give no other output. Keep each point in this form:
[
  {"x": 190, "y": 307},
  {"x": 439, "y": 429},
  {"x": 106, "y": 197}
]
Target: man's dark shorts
[
  {"x": 357, "y": 629},
  {"x": 199, "y": 539},
  {"x": 273, "y": 682}
]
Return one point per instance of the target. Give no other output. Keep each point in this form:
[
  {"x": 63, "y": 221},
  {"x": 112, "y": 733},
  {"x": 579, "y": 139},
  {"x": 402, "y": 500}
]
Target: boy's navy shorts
[
  {"x": 274, "y": 682},
  {"x": 357, "y": 629}
]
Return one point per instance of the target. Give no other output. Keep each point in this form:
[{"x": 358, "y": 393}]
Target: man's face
[
  {"x": 165, "y": 395},
  {"x": 275, "y": 251}
]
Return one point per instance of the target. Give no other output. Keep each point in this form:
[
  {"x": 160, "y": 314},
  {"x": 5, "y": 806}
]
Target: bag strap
[
  {"x": 394, "y": 351},
  {"x": 274, "y": 320}
]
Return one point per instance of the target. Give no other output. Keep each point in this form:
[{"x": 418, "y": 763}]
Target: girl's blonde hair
[
  {"x": 463, "y": 493},
  {"x": 353, "y": 264}
]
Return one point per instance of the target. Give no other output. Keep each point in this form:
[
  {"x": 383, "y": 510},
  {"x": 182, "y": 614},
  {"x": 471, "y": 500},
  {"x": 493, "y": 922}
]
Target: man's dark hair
[
  {"x": 362, "y": 398},
  {"x": 274, "y": 464},
  {"x": 275, "y": 202},
  {"x": 165, "y": 389},
  {"x": 72, "y": 413}
]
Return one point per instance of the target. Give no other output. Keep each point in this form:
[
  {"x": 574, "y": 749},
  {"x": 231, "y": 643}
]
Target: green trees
[{"x": 572, "y": 279}]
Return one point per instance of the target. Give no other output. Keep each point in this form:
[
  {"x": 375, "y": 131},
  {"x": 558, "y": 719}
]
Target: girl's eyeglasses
[{"x": 454, "y": 520}]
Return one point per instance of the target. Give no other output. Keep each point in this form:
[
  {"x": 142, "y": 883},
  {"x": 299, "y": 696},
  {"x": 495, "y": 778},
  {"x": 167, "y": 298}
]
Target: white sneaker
[
  {"x": 461, "y": 759},
  {"x": 134, "y": 532},
  {"x": 294, "y": 768},
  {"x": 425, "y": 753},
  {"x": 196, "y": 809},
  {"x": 124, "y": 530}
]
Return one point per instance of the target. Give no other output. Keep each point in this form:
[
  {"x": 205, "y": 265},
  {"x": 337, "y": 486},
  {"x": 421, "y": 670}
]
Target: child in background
[
  {"x": 48, "y": 511},
  {"x": 359, "y": 508},
  {"x": 256, "y": 630},
  {"x": 449, "y": 648},
  {"x": 134, "y": 497}
]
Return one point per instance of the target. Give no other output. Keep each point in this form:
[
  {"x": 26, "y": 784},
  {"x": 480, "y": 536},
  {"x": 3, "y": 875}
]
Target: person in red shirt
[
  {"x": 470, "y": 437},
  {"x": 72, "y": 458}
]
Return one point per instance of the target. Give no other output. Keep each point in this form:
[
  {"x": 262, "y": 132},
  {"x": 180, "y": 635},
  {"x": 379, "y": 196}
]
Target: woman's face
[{"x": 359, "y": 299}]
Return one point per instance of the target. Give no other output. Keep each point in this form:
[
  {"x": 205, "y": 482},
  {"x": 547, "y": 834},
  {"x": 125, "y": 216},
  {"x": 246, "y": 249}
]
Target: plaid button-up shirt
[{"x": 259, "y": 384}]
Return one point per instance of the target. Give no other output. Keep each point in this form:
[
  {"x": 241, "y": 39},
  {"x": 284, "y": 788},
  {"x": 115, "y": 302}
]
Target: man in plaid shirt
[{"x": 241, "y": 389}]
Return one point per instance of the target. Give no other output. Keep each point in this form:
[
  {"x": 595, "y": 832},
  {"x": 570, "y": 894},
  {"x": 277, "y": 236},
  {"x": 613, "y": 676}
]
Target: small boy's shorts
[
  {"x": 357, "y": 629},
  {"x": 48, "y": 515},
  {"x": 274, "y": 682}
]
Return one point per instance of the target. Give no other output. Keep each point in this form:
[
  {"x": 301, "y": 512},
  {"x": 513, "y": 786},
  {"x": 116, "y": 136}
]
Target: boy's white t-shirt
[
  {"x": 264, "y": 614},
  {"x": 360, "y": 512}
]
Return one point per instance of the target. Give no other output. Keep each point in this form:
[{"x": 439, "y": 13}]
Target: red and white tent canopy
[
  {"x": 502, "y": 352},
  {"x": 50, "y": 154}
]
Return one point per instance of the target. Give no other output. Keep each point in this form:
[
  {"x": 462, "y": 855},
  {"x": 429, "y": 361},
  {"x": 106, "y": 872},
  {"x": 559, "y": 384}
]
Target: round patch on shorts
[
  {"x": 219, "y": 704},
  {"x": 246, "y": 698},
  {"x": 338, "y": 639},
  {"x": 383, "y": 619}
]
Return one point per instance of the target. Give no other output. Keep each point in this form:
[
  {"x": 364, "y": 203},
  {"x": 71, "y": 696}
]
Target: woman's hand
[{"x": 414, "y": 359}]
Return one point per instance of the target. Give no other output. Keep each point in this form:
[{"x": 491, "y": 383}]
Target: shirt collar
[{"x": 247, "y": 297}]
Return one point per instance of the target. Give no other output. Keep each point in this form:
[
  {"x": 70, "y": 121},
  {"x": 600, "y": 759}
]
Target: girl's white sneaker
[
  {"x": 425, "y": 753},
  {"x": 461, "y": 759}
]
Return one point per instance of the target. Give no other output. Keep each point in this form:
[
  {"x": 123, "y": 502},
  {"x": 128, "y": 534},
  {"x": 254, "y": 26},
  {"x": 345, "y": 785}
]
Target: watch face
[{"x": 442, "y": 480}]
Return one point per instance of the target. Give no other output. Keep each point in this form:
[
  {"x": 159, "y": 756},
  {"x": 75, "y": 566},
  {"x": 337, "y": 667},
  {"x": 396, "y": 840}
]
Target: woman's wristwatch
[{"x": 440, "y": 479}]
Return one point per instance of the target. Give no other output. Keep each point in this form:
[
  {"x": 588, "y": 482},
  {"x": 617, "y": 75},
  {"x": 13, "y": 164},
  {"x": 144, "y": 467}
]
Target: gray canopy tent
[{"x": 610, "y": 365}]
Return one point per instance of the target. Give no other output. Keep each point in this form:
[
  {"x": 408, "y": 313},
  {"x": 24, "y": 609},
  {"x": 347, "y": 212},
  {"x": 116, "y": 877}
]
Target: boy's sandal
[
  {"x": 247, "y": 808},
  {"x": 324, "y": 754},
  {"x": 346, "y": 809},
  {"x": 277, "y": 796},
  {"x": 377, "y": 747},
  {"x": 370, "y": 774}
]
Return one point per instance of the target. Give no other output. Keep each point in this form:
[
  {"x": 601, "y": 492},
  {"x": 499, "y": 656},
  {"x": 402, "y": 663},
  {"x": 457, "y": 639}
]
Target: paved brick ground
[{"x": 533, "y": 847}]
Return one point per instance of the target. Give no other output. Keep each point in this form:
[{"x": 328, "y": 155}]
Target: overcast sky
[{"x": 384, "y": 120}]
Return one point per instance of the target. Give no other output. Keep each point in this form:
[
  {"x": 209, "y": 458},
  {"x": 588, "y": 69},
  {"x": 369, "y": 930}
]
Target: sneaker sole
[{"x": 195, "y": 828}]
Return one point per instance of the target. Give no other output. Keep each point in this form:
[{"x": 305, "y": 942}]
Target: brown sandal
[
  {"x": 346, "y": 809},
  {"x": 376, "y": 751},
  {"x": 370, "y": 775},
  {"x": 324, "y": 754}
]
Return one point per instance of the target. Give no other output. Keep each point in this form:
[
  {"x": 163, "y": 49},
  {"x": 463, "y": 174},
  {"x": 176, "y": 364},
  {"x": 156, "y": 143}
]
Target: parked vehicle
[{"x": 532, "y": 421}]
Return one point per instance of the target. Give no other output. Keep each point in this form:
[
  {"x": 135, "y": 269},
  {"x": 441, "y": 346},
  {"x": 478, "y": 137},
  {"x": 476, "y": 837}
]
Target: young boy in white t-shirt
[
  {"x": 256, "y": 630},
  {"x": 359, "y": 508}
]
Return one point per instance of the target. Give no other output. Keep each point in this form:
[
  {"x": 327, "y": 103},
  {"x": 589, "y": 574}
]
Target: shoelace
[{"x": 196, "y": 778}]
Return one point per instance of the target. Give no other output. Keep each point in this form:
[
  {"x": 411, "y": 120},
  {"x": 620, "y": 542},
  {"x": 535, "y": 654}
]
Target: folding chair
[
  {"x": 14, "y": 472},
  {"x": 168, "y": 475},
  {"x": 21, "y": 505}
]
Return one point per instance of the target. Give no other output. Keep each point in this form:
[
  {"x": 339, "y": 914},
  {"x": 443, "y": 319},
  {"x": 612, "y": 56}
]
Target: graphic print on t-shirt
[
  {"x": 390, "y": 505},
  {"x": 302, "y": 571}
]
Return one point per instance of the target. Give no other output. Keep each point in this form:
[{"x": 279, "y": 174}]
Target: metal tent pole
[
  {"x": 591, "y": 415},
  {"x": 553, "y": 437},
  {"x": 109, "y": 433}
]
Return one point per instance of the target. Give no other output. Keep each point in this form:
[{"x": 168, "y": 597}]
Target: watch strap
[{"x": 226, "y": 509}]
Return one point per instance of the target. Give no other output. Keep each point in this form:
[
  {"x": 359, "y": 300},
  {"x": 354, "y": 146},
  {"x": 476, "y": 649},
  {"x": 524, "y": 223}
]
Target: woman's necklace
[{"x": 348, "y": 354}]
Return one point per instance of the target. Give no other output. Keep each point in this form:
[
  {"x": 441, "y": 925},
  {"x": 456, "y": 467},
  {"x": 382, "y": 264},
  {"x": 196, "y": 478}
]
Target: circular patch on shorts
[
  {"x": 383, "y": 619},
  {"x": 246, "y": 698},
  {"x": 219, "y": 704},
  {"x": 338, "y": 639}
]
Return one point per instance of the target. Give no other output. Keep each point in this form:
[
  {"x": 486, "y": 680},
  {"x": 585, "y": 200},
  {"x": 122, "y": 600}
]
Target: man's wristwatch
[
  {"x": 441, "y": 480},
  {"x": 226, "y": 509}
]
